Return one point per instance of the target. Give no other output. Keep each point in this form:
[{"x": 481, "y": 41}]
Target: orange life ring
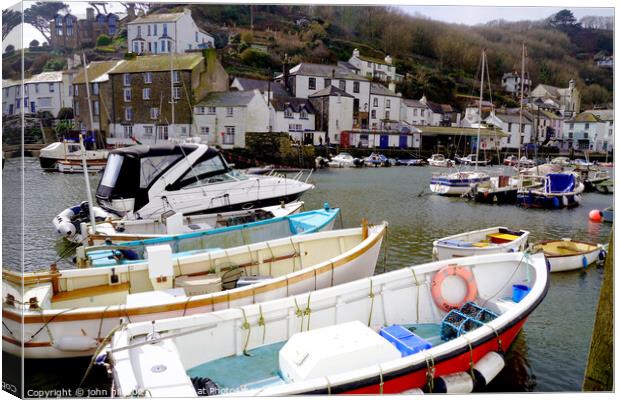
[{"x": 453, "y": 270}]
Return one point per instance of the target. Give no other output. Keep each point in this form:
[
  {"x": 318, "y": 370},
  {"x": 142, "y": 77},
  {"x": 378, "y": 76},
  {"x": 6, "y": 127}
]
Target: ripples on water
[{"x": 549, "y": 355}]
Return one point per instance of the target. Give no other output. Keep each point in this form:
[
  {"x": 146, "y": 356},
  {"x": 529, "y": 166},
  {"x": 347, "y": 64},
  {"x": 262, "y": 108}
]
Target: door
[
  {"x": 402, "y": 141},
  {"x": 32, "y": 107},
  {"x": 344, "y": 139},
  {"x": 383, "y": 141}
]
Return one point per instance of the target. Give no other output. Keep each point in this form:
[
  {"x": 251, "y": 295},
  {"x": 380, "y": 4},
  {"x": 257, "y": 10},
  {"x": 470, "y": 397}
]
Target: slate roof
[
  {"x": 324, "y": 70},
  {"x": 228, "y": 99},
  {"x": 250, "y": 84},
  {"x": 281, "y": 103},
  {"x": 347, "y": 65},
  {"x": 585, "y": 117},
  {"x": 512, "y": 118},
  {"x": 603, "y": 115},
  {"x": 151, "y": 18},
  {"x": 372, "y": 60},
  {"x": 330, "y": 91},
  {"x": 154, "y": 63},
  {"x": 414, "y": 103},
  {"x": 379, "y": 89},
  {"x": 97, "y": 71}
]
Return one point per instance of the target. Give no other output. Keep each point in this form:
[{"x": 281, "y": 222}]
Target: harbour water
[{"x": 549, "y": 355}]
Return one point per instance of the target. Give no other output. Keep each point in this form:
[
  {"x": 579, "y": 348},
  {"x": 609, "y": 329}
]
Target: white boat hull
[
  {"x": 444, "y": 251},
  {"x": 571, "y": 263},
  {"x": 95, "y": 322}
]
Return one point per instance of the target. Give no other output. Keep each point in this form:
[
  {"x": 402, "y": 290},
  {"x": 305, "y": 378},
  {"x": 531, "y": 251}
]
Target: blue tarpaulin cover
[{"x": 560, "y": 183}]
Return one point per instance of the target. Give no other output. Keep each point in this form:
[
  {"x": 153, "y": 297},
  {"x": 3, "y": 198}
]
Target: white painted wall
[
  {"x": 117, "y": 135},
  {"x": 302, "y": 89},
  {"x": 383, "y": 104},
  {"x": 296, "y": 124},
  {"x": 370, "y": 69},
  {"x": 340, "y": 117},
  {"x": 414, "y": 115},
  {"x": 514, "y": 141},
  {"x": 46, "y": 95}
]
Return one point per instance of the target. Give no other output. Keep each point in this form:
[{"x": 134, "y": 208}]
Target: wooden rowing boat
[
  {"x": 568, "y": 254},
  {"x": 65, "y": 313},
  {"x": 337, "y": 340}
]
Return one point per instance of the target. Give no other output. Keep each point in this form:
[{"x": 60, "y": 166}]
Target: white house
[
  {"x": 292, "y": 115},
  {"x": 604, "y": 140},
  {"x": 590, "y": 130},
  {"x": 162, "y": 33},
  {"x": 274, "y": 88},
  {"x": 334, "y": 112},
  {"x": 414, "y": 112},
  {"x": 509, "y": 123},
  {"x": 223, "y": 118},
  {"x": 384, "y": 107},
  {"x": 567, "y": 100},
  {"x": 374, "y": 67},
  {"x": 47, "y": 91},
  {"x": 511, "y": 83}
]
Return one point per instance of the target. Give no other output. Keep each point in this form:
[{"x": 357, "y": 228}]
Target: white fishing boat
[
  {"x": 439, "y": 160},
  {"x": 457, "y": 183},
  {"x": 494, "y": 240},
  {"x": 471, "y": 159},
  {"x": 76, "y": 166},
  {"x": 344, "y": 160},
  {"x": 389, "y": 333},
  {"x": 569, "y": 255},
  {"x": 131, "y": 252},
  {"x": 70, "y": 155},
  {"x": 147, "y": 181},
  {"x": 72, "y": 223},
  {"x": 558, "y": 191},
  {"x": 66, "y": 313}
]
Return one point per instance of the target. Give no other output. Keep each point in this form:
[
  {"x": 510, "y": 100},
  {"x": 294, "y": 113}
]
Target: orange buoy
[{"x": 595, "y": 216}]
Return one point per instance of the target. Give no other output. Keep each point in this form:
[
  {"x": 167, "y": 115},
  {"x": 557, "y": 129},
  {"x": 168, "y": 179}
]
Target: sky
[{"x": 458, "y": 12}]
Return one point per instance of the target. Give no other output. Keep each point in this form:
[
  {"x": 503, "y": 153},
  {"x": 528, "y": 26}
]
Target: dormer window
[
  {"x": 288, "y": 113},
  {"x": 303, "y": 114},
  {"x": 59, "y": 21}
]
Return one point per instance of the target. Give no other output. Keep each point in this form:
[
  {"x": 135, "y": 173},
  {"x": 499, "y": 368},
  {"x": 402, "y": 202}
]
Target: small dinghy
[
  {"x": 124, "y": 252},
  {"x": 439, "y": 160},
  {"x": 608, "y": 214},
  {"x": 606, "y": 187},
  {"x": 484, "y": 241},
  {"x": 66, "y": 313},
  {"x": 344, "y": 160},
  {"x": 118, "y": 230},
  {"x": 568, "y": 254},
  {"x": 390, "y": 333}
]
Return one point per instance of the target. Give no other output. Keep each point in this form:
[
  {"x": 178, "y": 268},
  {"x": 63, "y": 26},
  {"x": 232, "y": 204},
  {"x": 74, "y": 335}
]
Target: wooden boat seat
[
  {"x": 499, "y": 238},
  {"x": 90, "y": 292}
]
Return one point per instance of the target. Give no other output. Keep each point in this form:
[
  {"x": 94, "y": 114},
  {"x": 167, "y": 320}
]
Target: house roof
[
  {"x": 151, "y": 18},
  {"x": 435, "y": 107},
  {"x": 414, "y": 103},
  {"x": 372, "y": 60},
  {"x": 549, "y": 114},
  {"x": 512, "y": 118},
  {"x": 379, "y": 89},
  {"x": 585, "y": 117},
  {"x": 459, "y": 131},
  {"x": 250, "y": 84},
  {"x": 324, "y": 70},
  {"x": 347, "y": 65},
  {"x": 154, "y": 63},
  {"x": 282, "y": 103},
  {"x": 331, "y": 90},
  {"x": 603, "y": 115},
  {"x": 43, "y": 77},
  {"x": 97, "y": 71},
  {"x": 228, "y": 99}
]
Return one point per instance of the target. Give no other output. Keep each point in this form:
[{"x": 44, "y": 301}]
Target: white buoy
[{"x": 75, "y": 343}]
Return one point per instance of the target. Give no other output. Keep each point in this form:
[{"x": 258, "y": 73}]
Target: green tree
[
  {"x": 40, "y": 14},
  {"x": 564, "y": 20},
  {"x": 10, "y": 19},
  {"x": 594, "y": 94}
]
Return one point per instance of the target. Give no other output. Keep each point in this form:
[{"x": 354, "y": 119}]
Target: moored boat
[
  {"x": 558, "y": 191},
  {"x": 484, "y": 241},
  {"x": 608, "y": 214},
  {"x": 410, "y": 162},
  {"x": 605, "y": 187},
  {"x": 457, "y": 183},
  {"x": 568, "y": 254},
  {"x": 502, "y": 189},
  {"x": 66, "y": 313},
  {"x": 66, "y": 156},
  {"x": 118, "y": 251},
  {"x": 344, "y": 160},
  {"x": 471, "y": 159},
  {"x": 390, "y": 333},
  {"x": 439, "y": 160},
  {"x": 377, "y": 160}
]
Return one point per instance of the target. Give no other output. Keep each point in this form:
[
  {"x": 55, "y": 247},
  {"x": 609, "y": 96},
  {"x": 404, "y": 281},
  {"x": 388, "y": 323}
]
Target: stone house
[
  {"x": 224, "y": 118},
  {"x": 165, "y": 33},
  {"x": 69, "y": 31},
  {"x": 142, "y": 92}
]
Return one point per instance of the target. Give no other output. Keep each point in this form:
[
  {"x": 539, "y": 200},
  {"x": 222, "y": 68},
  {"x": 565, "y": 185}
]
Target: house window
[
  {"x": 522, "y": 128},
  {"x": 572, "y": 126},
  {"x": 139, "y": 31},
  {"x": 76, "y": 108},
  {"x": 163, "y": 45},
  {"x": 196, "y": 37},
  {"x": 176, "y": 76},
  {"x": 508, "y": 139},
  {"x": 154, "y": 47},
  {"x": 146, "y": 93},
  {"x": 303, "y": 114},
  {"x": 36, "y": 88},
  {"x": 148, "y": 77},
  {"x": 127, "y": 94},
  {"x": 415, "y": 112},
  {"x": 127, "y": 131},
  {"x": 155, "y": 29},
  {"x": 176, "y": 91},
  {"x": 311, "y": 83},
  {"x": 421, "y": 112},
  {"x": 204, "y": 130},
  {"x": 96, "y": 107},
  {"x": 154, "y": 112},
  {"x": 211, "y": 110},
  {"x": 229, "y": 111},
  {"x": 342, "y": 84},
  {"x": 126, "y": 79},
  {"x": 509, "y": 126},
  {"x": 375, "y": 102},
  {"x": 570, "y": 135},
  {"x": 387, "y": 104},
  {"x": 165, "y": 30},
  {"x": 96, "y": 89},
  {"x": 328, "y": 82},
  {"x": 373, "y": 114},
  {"x": 369, "y": 64},
  {"x": 200, "y": 110},
  {"x": 585, "y": 135},
  {"x": 587, "y": 126},
  {"x": 183, "y": 131},
  {"x": 128, "y": 113},
  {"x": 356, "y": 87},
  {"x": 229, "y": 136},
  {"x": 51, "y": 89},
  {"x": 162, "y": 133},
  {"x": 58, "y": 31},
  {"x": 288, "y": 113},
  {"x": 148, "y": 131},
  {"x": 387, "y": 114}
]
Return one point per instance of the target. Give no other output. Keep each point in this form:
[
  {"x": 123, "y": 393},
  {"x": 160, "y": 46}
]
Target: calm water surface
[{"x": 549, "y": 355}]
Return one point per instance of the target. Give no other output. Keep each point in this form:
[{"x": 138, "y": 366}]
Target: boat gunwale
[{"x": 580, "y": 253}]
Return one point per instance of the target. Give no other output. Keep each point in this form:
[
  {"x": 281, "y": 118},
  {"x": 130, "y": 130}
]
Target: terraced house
[
  {"x": 153, "y": 96},
  {"x": 590, "y": 130},
  {"x": 47, "y": 91},
  {"x": 372, "y": 67}
]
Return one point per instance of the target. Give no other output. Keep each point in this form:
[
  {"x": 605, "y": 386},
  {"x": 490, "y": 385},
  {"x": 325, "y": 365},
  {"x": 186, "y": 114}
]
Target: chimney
[
  {"x": 333, "y": 73},
  {"x": 356, "y": 53},
  {"x": 392, "y": 87},
  {"x": 90, "y": 14},
  {"x": 187, "y": 11},
  {"x": 388, "y": 59}
]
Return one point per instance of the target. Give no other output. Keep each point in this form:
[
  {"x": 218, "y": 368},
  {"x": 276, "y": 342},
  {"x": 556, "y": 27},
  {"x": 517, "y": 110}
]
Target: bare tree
[
  {"x": 97, "y": 4},
  {"x": 10, "y": 19},
  {"x": 40, "y": 14}
]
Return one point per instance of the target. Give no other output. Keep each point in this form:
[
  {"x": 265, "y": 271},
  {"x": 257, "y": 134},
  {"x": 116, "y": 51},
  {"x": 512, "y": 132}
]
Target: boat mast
[
  {"x": 480, "y": 109},
  {"x": 172, "y": 130},
  {"x": 521, "y": 105},
  {"x": 91, "y": 210}
]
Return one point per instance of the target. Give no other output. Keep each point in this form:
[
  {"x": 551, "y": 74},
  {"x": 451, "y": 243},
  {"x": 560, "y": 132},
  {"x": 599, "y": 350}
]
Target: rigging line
[{"x": 46, "y": 323}]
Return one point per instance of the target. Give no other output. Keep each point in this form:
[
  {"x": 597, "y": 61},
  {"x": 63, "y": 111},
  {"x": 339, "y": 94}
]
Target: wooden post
[
  {"x": 599, "y": 375},
  {"x": 364, "y": 229}
]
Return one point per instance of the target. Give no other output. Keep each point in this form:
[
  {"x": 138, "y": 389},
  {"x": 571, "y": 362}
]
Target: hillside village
[{"x": 169, "y": 81}]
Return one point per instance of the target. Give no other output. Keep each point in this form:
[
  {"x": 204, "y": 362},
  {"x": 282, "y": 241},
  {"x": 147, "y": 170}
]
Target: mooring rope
[
  {"x": 372, "y": 302},
  {"x": 246, "y": 326}
]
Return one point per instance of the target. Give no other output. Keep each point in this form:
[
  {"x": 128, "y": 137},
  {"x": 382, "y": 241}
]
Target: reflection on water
[{"x": 549, "y": 355}]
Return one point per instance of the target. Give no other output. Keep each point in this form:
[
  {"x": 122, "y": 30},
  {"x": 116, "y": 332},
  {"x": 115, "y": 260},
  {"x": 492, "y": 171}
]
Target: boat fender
[
  {"x": 602, "y": 255},
  {"x": 548, "y": 265},
  {"x": 435, "y": 256},
  {"x": 565, "y": 201},
  {"x": 556, "y": 202},
  {"x": 584, "y": 262},
  {"x": 459, "y": 382},
  {"x": 487, "y": 368},
  {"x": 453, "y": 270},
  {"x": 205, "y": 386},
  {"x": 75, "y": 343}
]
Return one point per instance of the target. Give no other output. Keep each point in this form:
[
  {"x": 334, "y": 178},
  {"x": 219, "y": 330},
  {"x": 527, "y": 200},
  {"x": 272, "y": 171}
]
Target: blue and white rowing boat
[{"x": 215, "y": 239}]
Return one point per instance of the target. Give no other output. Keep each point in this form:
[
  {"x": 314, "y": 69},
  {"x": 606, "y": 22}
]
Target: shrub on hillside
[
  {"x": 34, "y": 43},
  {"x": 104, "y": 40},
  {"x": 10, "y": 49},
  {"x": 257, "y": 58},
  {"x": 54, "y": 65}
]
